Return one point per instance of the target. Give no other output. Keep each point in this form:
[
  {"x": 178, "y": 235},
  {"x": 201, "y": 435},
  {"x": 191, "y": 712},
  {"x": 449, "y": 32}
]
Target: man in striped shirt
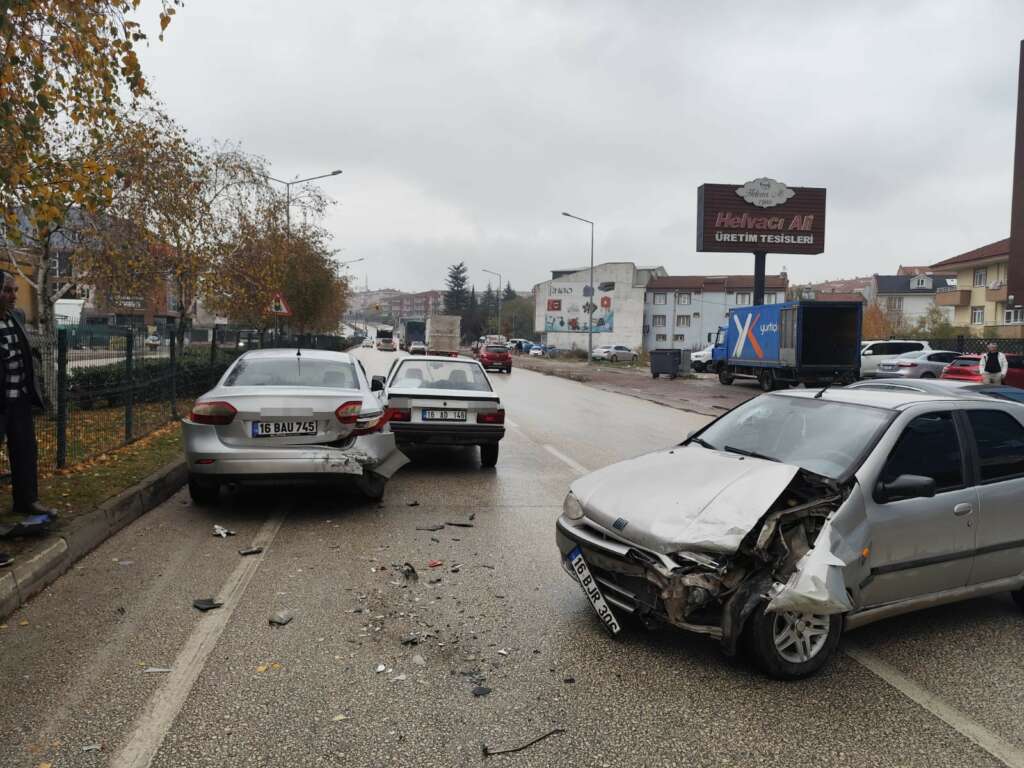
[{"x": 19, "y": 393}]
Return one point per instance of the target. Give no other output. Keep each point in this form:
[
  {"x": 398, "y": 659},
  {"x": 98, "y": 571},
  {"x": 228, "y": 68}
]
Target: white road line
[
  {"x": 166, "y": 702},
  {"x": 995, "y": 745},
  {"x": 566, "y": 460}
]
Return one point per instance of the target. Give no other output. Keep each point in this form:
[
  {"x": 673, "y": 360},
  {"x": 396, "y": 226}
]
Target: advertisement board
[
  {"x": 753, "y": 335},
  {"x": 763, "y": 215},
  {"x": 567, "y": 310}
]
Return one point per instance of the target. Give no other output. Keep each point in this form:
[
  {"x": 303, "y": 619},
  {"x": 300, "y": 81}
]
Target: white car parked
[{"x": 874, "y": 353}]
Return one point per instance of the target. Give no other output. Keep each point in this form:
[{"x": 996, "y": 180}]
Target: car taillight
[
  {"x": 216, "y": 412},
  {"x": 491, "y": 417},
  {"x": 399, "y": 414},
  {"x": 348, "y": 413},
  {"x": 371, "y": 424}
]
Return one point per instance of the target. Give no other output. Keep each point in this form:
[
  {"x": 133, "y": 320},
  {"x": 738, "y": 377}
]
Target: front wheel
[
  {"x": 203, "y": 492},
  {"x": 724, "y": 377},
  {"x": 489, "y": 455},
  {"x": 615, "y": 358},
  {"x": 698, "y": 367},
  {"x": 927, "y": 375},
  {"x": 790, "y": 646}
]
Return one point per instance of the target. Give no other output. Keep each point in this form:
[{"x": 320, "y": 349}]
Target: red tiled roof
[
  {"x": 838, "y": 296},
  {"x": 716, "y": 282},
  {"x": 992, "y": 250}
]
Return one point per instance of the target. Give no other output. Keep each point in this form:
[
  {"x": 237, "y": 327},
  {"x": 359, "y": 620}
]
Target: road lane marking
[
  {"x": 166, "y": 702},
  {"x": 566, "y": 460},
  {"x": 995, "y": 745}
]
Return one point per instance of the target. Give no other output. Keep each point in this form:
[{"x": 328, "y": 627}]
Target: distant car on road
[
  {"x": 614, "y": 353},
  {"x": 966, "y": 368},
  {"x": 367, "y": 344},
  {"x": 805, "y": 514},
  {"x": 495, "y": 356},
  {"x": 435, "y": 400},
  {"x": 278, "y": 417},
  {"x": 386, "y": 344},
  {"x": 537, "y": 350},
  {"x": 922, "y": 364},
  {"x": 417, "y": 348}
]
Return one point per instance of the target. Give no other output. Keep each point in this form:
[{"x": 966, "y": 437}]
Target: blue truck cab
[{"x": 795, "y": 342}]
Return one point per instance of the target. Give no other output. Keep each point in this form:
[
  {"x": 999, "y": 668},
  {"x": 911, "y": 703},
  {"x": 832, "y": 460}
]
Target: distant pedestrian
[
  {"x": 20, "y": 394},
  {"x": 993, "y": 365}
]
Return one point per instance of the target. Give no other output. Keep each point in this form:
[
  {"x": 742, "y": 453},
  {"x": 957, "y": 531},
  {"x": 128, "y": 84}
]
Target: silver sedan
[
  {"x": 287, "y": 415},
  {"x": 922, "y": 364}
]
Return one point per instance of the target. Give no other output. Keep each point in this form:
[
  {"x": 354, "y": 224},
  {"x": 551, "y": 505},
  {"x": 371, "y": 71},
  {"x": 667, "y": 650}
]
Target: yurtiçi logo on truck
[{"x": 746, "y": 333}]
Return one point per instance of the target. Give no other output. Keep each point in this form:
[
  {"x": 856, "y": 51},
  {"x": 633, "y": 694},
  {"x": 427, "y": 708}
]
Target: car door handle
[{"x": 962, "y": 509}]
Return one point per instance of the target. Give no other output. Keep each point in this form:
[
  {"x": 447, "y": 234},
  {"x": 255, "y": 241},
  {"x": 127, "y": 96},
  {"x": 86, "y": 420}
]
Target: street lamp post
[
  {"x": 590, "y": 299},
  {"x": 499, "y": 296}
]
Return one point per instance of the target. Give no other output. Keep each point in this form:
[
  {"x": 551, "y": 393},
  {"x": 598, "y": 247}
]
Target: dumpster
[{"x": 665, "y": 361}]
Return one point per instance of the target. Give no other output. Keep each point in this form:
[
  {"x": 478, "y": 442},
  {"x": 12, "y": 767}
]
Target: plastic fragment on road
[
  {"x": 487, "y": 751},
  {"x": 262, "y": 668},
  {"x": 434, "y": 564},
  {"x": 206, "y": 604},
  {"x": 380, "y": 668},
  {"x": 502, "y": 652},
  {"x": 481, "y": 690},
  {"x": 220, "y": 530},
  {"x": 399, "y": 679},
  {"x": 156, "y": 670},
  {"x": 419, "y": 661},
  {"x": 23, "y": 623},
  {"x": 92, "y": 748},
  {"x": 281, "y": 618},
  {"x": 250, "y": 551},
  {"x": 438, "y": 527},
  {"x": 410, "y": 640},
  {"x": 456, "y": 568},
  {"x": 340, "y": 718}
]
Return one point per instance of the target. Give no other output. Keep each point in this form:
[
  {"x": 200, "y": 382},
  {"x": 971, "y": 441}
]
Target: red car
[
  {"x": 965, "y": 368},
  {"x": 495, "y": 356}
]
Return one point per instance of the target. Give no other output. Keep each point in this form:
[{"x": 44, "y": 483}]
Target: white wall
[{"x": 708, "y": 312}]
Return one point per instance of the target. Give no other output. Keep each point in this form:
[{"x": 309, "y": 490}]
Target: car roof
[
  {"x": 898, "y": 341},
  {"x": 892, "y": 400},
  {"x": 290, "y": 352},
  {"x": 449, "y": 358}
]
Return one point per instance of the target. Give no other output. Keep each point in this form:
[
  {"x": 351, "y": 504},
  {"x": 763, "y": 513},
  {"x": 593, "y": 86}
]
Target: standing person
[
  {"x": 20, "y": 394},
  {"x": 993, "y": 365}
]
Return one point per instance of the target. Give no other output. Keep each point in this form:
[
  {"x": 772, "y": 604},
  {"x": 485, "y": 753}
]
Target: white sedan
[{"x": 614, "y": 353}]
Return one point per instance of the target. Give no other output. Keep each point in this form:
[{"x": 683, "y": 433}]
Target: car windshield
[
  {"x": 822, "y": 436},
  {"x": 1004, "y": 393},
  {"x": 440, "y": 374},
  {"x": 292, "y": 372}
]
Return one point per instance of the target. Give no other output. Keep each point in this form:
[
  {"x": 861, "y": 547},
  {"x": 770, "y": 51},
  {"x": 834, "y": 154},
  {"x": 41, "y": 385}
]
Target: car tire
[
  {"x": 615, "y": 358},
  {"x": 767, "y": 380},
  {"x": 203, "y": 492},
  {"x": 1018, "y": 598},
  {"x": 724, "y": 377},
  {"x": 489, "y": 455},
  {"x": 698, "y": 366},
  {"x": 372, "y": 486},
  {"x": 654, "y": 375},
  {"x": 791, "y": 646},
  {"x": 509, "y": 370},
  {"x": 927, "y": 375}
]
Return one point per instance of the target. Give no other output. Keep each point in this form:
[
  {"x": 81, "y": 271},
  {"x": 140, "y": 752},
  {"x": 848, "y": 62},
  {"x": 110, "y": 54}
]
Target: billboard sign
[
  {"x": 763, "y": 215},
  {"x": 567, "y": 308}
]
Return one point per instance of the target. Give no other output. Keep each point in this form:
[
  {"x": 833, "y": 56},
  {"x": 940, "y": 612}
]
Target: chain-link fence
[
  {"x": 975, "y": 345},
  {"x": 104, "y": 387}
]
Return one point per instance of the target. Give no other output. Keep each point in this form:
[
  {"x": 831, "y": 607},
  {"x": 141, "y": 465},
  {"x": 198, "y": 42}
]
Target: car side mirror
[
  {"x": 377, "y": 384},
  {"x": 905, "y": 487}
]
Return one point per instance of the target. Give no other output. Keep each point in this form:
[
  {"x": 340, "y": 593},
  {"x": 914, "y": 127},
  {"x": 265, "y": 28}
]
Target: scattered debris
[
  {"x": 220, "y": 530},
  {"x": 410, "y": 572},
  {"x": 412, "y": 504},
  {"x": 262, "y": 668},
  {"x": 472, "y": 516},
  {"x": 488, "y": 751},
  {"x": 92, "y": 748},
  {"x": 250, "y": 551},
  {"x": 399, "y": 679},
  {"x": 419, "y": 661},
  {"x": 281, "y": 618},
  {"x": 156, "y": 670},
  {"x": 121, "y": 610},
  {"x": 458, "y": 525},
  {"x": 206, "y": 604},
  {"x": 126, "y": 562},
  {"x": 23, "y": 623},
  {"x": 436, "y": 581},
  {"x": 481, "y": 690},
  {"x": 434, "y": 564},
  {"x": 339, "y": 718},
  {"x": 438, "y": 527},
  {"x": 432, "y": 538},
  {"x": 380, "y": 668},
  {"x": 502, "y": 652},
  {"x": 456, "y": 568},
  {"x": 569, "y": 680},
  {"x": 410, "y": 640},
  {"x": 483, "y": 565}
]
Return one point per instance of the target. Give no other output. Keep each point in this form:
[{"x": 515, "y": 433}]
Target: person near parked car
[
  {"x": 19, "y": 395},
  {"x": 993, "y": 365}
]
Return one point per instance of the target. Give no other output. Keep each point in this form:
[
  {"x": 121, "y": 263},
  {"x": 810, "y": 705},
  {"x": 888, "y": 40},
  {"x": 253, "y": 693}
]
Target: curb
[{"x": 56, "y": 554}]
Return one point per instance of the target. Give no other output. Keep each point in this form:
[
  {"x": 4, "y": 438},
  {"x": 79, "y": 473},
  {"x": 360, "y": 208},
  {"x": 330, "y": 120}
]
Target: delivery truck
[
  {"x": 444, "y": 334},
  {"x": 410, "y": 331},
  {"x": 796, "y": 342}
]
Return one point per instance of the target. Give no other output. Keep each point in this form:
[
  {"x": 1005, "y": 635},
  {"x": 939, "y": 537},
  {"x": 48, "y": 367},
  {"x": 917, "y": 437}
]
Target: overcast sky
[{"x": 464, "y": 128}]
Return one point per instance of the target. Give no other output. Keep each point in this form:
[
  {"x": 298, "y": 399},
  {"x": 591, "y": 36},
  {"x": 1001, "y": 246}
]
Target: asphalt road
[{"x": 243, "y": 693}]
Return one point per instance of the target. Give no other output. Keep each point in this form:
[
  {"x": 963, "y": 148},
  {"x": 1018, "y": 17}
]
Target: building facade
[
  {"x": 686, "y": 312},
  {"x": 562, "y": 312},
  {"x": 979, "y": 300},
  {"x": 907, "y": 299}
]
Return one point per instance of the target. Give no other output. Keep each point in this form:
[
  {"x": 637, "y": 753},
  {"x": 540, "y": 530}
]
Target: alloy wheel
[{"x": 799, "y": 637}]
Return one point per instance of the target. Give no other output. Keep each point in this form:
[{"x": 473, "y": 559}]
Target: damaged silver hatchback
[{"x": 800, "y": 514}]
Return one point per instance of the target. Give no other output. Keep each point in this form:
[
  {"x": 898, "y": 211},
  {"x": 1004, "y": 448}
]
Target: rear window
[
  {"x": 964, "y": 362},
  {"x": 496, "y": 349},
  {"x": 292, "y": 372},
  {"x": 440, "y": 374}
]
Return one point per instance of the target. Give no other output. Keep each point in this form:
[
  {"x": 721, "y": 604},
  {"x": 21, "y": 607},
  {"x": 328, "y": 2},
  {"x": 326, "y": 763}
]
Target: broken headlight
[{"x": 572, "y": 507}]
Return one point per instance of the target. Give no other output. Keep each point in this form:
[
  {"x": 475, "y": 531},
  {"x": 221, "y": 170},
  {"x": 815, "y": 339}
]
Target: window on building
[
  {"x": 742, "y": 299},
  {"x": 680, "y": 337},
  {"x": 658, "y": 321},
  {"x": 771, "y": 298},
  {"x": 682, "y": 321},
  {"x": 1013, "y": 316},
  {"x": 894, "y": 303},
  {"x": 683, "y": 298},
  {"x": 977, "y": 315},
  {"x": 980, "y": 278},
  {"x": 660, "y": 337},
  {"x": 660, "y": 298}
]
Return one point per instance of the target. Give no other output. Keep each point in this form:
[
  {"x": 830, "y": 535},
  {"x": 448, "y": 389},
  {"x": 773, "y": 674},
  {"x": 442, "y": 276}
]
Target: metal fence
[
  {"x": 104, "y": 388},
  {"x": 975, "y": 345}
]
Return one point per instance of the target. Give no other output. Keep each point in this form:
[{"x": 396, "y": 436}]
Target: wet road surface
[{"x": 499, "y": 613}]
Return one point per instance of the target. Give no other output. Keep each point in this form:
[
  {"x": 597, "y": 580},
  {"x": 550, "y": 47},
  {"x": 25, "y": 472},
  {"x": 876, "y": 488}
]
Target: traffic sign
[{"x": 279, "y": 307}]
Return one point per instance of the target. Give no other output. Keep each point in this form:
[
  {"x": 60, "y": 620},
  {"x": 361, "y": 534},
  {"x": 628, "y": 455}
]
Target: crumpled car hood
[{"x": 684, "y": 498}]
